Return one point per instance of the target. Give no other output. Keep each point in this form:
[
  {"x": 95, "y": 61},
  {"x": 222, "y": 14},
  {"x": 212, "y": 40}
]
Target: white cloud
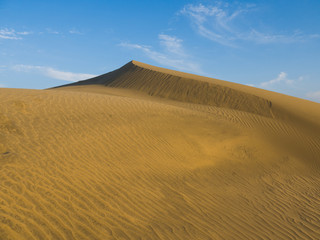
[
  {"x": 172, "y": 44},
  {"x": 221, "y": 24},
  {"x": 282, "y": 77},
  {"x": 2, "y": 85},
  {"x": 51, "y": 31},
  {"x": 174, "y": 55},
  {"x": 211, "y": 22},
  {"x": 315, "y": 96},
  {"x": 264, "y": 38},
  {"x": 8, "y": 34},
  {"x": 24, "y": 33},
  {"x": 12, "y": 34},
  {"x": 53, "y": 73},
  {"x": 74, "y": 31},
  {"x": 282, "y": 82}
]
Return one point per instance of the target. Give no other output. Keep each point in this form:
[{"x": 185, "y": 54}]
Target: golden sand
[{"x": 150, "y": 153}]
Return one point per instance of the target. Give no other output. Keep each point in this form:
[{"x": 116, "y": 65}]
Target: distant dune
[{"x": 150, "y": 153}]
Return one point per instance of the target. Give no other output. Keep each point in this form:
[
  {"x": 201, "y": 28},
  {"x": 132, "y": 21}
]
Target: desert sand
[{"x": 150, "y": 153}]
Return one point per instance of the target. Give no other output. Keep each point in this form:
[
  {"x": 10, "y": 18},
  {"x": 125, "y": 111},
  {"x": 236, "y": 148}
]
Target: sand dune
[{"x": 150, "y": 153}]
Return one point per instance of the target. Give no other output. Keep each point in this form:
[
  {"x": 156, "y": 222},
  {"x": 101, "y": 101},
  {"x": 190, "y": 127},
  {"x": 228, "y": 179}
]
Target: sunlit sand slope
[{"x": 131, "y": 158}]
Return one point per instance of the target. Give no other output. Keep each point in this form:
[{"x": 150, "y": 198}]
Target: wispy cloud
[
  {"x": 282, "y": 81},
  {"x": 173, "y": 55},
  {"x": 315, "y": 96},
  {"x": 220, "y": 23},
  {"x": 211, "y": 22},
  {"x": 263, "y": 38},
  {"x": 51, "y": 31},
  {"x": 172, "y": 44},
  {"x": 12, "y": 34},
  {"x": 282, "y": 77},
  {"x": 74, "y": 31},
  {"x": 53, "y": 73}
]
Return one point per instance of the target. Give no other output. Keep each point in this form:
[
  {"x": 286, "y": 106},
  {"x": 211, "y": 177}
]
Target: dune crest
[
  {"x": 150, "y": 153},
  {"x": 180, "y": 86}
]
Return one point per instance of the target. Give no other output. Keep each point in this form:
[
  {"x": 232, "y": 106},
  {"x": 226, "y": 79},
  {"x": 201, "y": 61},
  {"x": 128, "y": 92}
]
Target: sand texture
[{"x": 150, "y": 153}]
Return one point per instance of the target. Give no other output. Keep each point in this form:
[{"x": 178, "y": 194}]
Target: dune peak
[{"x": 180, "y": 86}]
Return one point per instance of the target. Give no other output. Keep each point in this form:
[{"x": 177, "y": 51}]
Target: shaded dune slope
[
  {"x": 98, "y": 160},
  {"x": 180, "y": 86}
]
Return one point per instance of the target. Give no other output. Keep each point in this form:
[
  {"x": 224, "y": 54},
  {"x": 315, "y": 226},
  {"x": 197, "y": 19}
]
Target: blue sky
[{"x": 269, "y": 44}]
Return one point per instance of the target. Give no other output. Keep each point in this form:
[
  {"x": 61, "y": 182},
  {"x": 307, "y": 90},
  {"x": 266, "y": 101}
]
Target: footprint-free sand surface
[{"x": 150, "y": 153}]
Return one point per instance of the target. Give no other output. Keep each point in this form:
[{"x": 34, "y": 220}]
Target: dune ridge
[
  {"x": 122, "y": 156},
  {"x": 179, "y": 86}
]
